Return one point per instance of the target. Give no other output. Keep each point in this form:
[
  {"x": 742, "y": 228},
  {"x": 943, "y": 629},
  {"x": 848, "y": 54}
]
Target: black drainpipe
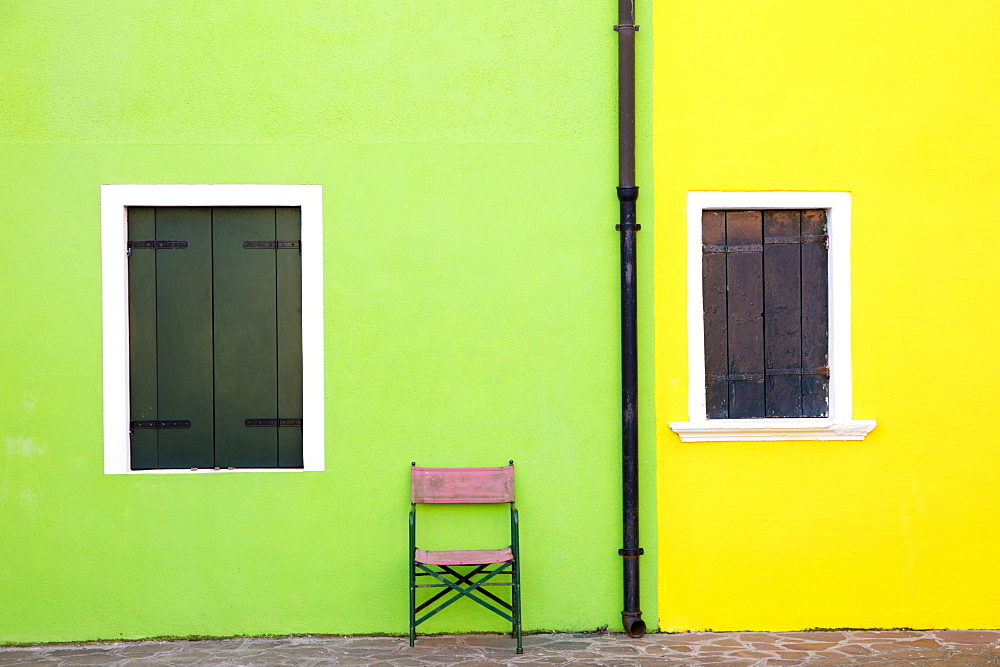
[{"x": 627, "y": 227}]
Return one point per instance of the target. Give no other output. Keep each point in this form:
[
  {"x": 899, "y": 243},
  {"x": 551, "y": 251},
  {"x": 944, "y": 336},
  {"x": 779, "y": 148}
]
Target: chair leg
[
  {"x": 516, "y": 594},
  {"x": 413, "y": 607},
  {"x": 513, "y": 603}
]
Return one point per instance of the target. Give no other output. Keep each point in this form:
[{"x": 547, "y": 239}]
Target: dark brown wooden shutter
[
  {"x": 782, "y": 313},
  {"x": 815, "y": 316},
  {"x": 745, "y": 309},
  {"x": 713, "y": 275},
  {"x": 764, "y": 287}
]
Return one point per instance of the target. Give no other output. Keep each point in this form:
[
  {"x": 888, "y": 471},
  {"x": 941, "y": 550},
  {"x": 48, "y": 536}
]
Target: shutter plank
[
  {"x": 745, "y": 314},
  {"x": 184, "y": 337},
  {"x": 815, "y": 316},
  {"x": 289, "y": 304},
  {"x": 713, "y": 276},
  {"x": 142, "y": 337},
  {"x": 246, "y": 379},
  {"x": 782, "y": 314}
]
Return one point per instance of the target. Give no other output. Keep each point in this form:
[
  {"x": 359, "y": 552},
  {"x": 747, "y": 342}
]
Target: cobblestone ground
[{"x": 935, "y": 647}]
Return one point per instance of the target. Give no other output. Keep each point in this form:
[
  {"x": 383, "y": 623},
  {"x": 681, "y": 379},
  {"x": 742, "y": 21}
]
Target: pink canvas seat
[
  {"x": 464, "y": 573},
  {"x": 470, "y": 557}
]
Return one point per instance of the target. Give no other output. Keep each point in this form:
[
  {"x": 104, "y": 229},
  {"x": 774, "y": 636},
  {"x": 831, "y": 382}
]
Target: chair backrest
[{"x": 462, "y": 485}]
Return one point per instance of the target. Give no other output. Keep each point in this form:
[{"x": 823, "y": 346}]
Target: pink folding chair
[{"x": 465, "y": 485}]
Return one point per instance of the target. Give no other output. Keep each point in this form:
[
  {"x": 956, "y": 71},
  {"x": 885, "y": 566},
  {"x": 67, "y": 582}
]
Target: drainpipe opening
[{"x": 634, "y": 626}]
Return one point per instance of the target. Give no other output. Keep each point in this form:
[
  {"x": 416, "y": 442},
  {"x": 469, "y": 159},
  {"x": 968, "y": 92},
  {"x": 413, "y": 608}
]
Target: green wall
[{"x": 467, "y": 158}]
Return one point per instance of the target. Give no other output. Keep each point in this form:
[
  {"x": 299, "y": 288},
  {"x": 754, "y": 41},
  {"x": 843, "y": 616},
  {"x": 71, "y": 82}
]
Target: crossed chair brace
[{"x": 465, "y": 485}]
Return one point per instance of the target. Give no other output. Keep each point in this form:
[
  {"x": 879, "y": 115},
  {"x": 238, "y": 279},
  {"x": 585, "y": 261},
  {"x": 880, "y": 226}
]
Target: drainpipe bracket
[
  {"x": 631, "y": 553},
  {"x": 628, "y": 227},
  {"x": 626, "y": 26}
]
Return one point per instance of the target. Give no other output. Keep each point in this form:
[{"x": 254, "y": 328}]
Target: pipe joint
[{"x": 628, "y": 192}]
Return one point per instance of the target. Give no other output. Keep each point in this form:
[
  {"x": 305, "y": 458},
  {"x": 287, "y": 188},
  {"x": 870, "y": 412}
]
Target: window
[
  {"x": 769, "y": 317},
  {"x": 212, "y": 328}
]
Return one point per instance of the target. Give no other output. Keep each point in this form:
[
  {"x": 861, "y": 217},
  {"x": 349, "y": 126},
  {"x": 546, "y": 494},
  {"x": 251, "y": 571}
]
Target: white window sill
[{"x": 734, "y": 430}]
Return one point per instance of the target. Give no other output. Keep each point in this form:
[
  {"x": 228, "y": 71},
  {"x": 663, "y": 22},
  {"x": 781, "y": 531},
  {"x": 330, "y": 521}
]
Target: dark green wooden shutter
[
  {"x": 170, "y": 334},
  {"x": 184, "y": 336},
  {"x": 215, "y": 330},
  {"x": 142, "y": 338},
  {"x": 289, "y": 305},
  {"x": 764, "y": 277},
  {"x": 246, "y": 338}
]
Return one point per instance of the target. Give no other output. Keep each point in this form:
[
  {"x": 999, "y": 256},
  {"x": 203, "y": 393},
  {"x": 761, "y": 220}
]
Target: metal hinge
[
  {"x": 802, "y": 238},
  {"x": 823, "y": 371},
  {"x": 157, "y": 245},
  {"x": 160, "y": 423},
  {"x": 273, "y": 422},
  {"x": 272, "y": 245},
  {"x": 771, "y": 240}
]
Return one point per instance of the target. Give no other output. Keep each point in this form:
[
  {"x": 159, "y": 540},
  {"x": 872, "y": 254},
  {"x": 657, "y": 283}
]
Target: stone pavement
[{"x": 934, "y": 647}]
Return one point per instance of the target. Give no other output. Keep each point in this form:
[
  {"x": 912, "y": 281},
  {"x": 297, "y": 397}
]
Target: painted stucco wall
[
  {"x": 894, "y": 102},
  {"x": 467, "y": 158}
]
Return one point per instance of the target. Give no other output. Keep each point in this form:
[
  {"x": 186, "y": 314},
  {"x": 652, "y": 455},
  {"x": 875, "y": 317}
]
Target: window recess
[
  {"x": 215, "y": 337},
  {"x": 764, "y": 284}
]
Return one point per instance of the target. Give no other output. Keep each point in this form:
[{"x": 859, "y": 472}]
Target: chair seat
[{"x": 470, "y": 557}]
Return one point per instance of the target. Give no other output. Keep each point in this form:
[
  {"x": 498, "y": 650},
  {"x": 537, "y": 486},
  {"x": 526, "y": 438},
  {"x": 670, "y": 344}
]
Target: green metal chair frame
[{"x": 465, "y": 485}]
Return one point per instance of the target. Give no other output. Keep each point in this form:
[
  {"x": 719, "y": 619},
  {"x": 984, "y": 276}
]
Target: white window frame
[
  {"x": 840, "y": 424},
  {"x": 115, "y": 200}
]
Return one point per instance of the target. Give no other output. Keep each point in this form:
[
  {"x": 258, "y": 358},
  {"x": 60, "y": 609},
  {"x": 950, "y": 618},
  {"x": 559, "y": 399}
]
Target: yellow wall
[{"x": 899, "y": 104}]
